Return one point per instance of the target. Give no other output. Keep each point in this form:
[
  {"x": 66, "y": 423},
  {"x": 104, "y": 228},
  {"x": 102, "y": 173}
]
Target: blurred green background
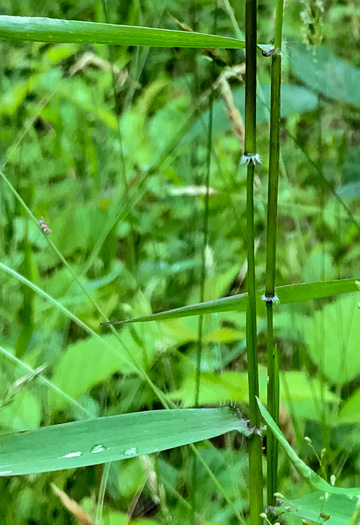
[{"x": 109, "y": 145}]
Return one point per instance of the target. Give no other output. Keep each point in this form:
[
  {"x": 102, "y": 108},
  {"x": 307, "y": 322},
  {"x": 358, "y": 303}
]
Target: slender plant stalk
[
  {"x": 250, "y": 158},
  {"x": 102, "y": 492},
  {"x": 203, "y": 260},
  {"x": 204, "y": 246},
  {"x": 131, "y": 240},
  {"x": 270, "y": 297}
]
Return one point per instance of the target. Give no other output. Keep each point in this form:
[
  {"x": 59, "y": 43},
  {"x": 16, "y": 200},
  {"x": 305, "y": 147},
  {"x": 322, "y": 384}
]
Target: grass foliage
[{"x": 123, "y": 198}]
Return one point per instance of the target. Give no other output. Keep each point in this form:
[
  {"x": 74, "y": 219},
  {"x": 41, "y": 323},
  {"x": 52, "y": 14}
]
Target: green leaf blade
[
  {"x": 325, "y": 73},
  {"x": 69, "y": 31},
  {"x": 295, "y": 99},
  {"x": 293, "y": 293},
  {"x": 339, "y": 508},
  {"x": 100, "y": 440},
  {"x": 337, "y": 360}
]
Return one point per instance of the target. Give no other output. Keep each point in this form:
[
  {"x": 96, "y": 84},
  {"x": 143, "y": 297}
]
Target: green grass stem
[
  {"x": 274, "y": 164},
  {"x": 250, "y": 158}
]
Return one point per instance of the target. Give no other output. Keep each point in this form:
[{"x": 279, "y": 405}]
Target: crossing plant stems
[{"x": 96, "y": 440}]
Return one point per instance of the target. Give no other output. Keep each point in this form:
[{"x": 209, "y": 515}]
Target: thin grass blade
[
  {"x": 73, "y": 31},
  {"x": 305, "y": 471},
  {"x": 293, "y": 293}
]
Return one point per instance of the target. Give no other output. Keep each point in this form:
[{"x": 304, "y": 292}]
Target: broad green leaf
[
  {"x": 88, "y": 362},
  {"x": 186, "y": 330},
  {"x": 350, "y": 168},
  {"x": 224, "y": 335},
  {"x": 129, "y": 477},
  {"x": 233, "y": 387},
  {"x": 303, "y": 394},
  {"x": 23, "y": 412},
  {"x": 305, "y": 471},
  {"x": 48, "y": 297},
  {"x": 318, "y": 265},
  {"x": 216, "y": 285},
  {"x": 76, "y": 94},
  {"x": 230, "y": 468},
  {"x": 214, "y": 388},
  {"x": 101, "y": 440},
  {"x": 182, "y": 330},
  {"x": 350, "y": 410},
  {"x": 324, "y": 73},
  {"x": 60, "y": 52},
  {"x": 292, "y": 293},
  {"x": 13, "y": 95},
  {"x": 295, "y": 99},
  {"x": 112, "y": 517},
  {"x": 315, "y": 506},
  {"x": 68, "y": 31},
  {"x": 354, "y": 520},
  {"x": 31, "y": 372},
  {"x": 350, "y": 190},
  {"x": 130, "y": 362},
  {"x": 333, "y": 336}
]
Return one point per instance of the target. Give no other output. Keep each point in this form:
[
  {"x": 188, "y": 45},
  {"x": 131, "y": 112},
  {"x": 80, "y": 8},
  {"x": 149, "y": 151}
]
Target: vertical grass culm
[
  {"x": 250, "y": 159},
  {"x": 270, "y": 295}
]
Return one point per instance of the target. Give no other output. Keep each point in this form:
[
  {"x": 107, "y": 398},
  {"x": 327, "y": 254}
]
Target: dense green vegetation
[{"x": 123, "y": 195}]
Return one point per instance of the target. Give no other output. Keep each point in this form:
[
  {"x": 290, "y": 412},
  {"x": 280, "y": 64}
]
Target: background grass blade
[
  {"x": 53, "y": 30},
  {"x": 100, "y": 440},
  {"x": 302, "y": 467},
  {"x": 293, "y": 293},
  {"x": 58, "y": 391}
]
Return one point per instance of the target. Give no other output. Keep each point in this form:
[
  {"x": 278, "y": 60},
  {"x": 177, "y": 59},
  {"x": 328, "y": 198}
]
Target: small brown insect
[{"x": 44, "y": 226}]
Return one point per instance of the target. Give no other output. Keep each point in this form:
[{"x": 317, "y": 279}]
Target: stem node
[
  {"x": 270, "y": 298},
  {"x": 250, "y": 158}
]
